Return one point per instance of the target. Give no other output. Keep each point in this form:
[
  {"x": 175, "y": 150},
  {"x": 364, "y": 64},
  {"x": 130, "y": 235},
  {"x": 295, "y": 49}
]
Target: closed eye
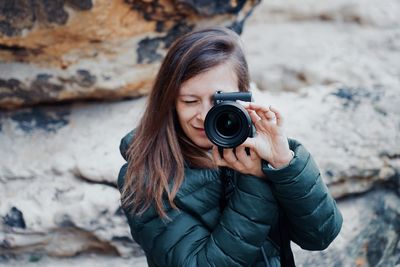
[{"x": 189, "y": 102}]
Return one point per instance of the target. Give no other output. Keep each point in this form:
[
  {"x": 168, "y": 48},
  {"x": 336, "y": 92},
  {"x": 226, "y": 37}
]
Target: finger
[
  {"x": 229, "y": 156},
  {"x": 262, "y": 114},
  {"x": 262, "y": 111},
  {"x": 249, "y": 142},
  {"x": 242, "y": 156},
  {"x": 271, "y": 118},
  {"x": 241, "y": 153},
  {"x": 255, "y": 118},
  {"x": 217, "y": 158},
  {"x": 243, "y": 103},
  {"x": 268, "y": 115},
  {"x": 278, "y": 115},
  {"x": 253, "y": 154},
  {"x": 232, "y": 160},
  {"x": 256, "y": 107}
]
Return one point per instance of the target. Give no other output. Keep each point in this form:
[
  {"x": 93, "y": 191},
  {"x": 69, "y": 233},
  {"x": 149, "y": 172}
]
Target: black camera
[{"x": 228, "y": 124}]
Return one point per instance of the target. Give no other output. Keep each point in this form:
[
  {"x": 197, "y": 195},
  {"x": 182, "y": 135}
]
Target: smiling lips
[{"x": 199, "y": 129}]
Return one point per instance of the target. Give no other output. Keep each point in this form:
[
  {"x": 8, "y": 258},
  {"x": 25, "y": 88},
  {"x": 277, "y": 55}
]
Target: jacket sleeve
[
  {"x": 314, "y": 218},
  {"x": 185, "y": 239}
]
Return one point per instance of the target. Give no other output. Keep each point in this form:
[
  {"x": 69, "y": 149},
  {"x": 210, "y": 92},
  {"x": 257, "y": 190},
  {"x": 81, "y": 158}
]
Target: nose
[{"x": 204, "y": 108}]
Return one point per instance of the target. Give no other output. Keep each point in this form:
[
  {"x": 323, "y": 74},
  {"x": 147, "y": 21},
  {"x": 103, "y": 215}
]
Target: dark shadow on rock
[
  {"x": 46, "y": 118},
  {"x": 14, "y": 218},
  {"x": 147, "y": 48},
  {"x": 15, "y": 16},
  {"x": 353, "y": 96}
]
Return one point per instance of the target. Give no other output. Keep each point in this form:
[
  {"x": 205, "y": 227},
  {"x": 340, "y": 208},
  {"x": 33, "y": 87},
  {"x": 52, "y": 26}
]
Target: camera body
[{"x": 227, "y": 123}]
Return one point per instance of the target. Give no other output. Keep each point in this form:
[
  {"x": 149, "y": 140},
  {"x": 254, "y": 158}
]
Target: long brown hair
[{"x": 160, "y": 149}]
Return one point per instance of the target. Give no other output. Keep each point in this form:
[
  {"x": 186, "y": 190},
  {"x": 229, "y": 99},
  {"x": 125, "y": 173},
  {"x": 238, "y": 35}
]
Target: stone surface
[
  {"x": 14, "y": 218},
  {"x": 71, "y": 162},
  {"x": 356, "y": 144},
  {"x": 369, "y": 237},
  {"x": 89, "y": 260},
  {"x": 331, "y": 68},
  {"x": 52, "y": 51},
  {"x": 342, "y": 12},
  {"x": 342, "y": 80},
  {"x": 69, "y": 159}
]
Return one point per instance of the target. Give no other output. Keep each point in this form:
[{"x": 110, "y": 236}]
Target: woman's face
[{"x": 195, "y": 100}]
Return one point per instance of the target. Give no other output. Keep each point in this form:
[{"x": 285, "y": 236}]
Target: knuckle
[
  {"x": 229, "y": 159},
  {"x": 247, "y": 165},
  {"x": 240, "y": 168}
]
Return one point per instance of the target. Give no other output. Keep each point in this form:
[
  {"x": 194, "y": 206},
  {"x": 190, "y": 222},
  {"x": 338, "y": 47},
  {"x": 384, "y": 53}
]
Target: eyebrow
[{"x": 188, "y": 95}]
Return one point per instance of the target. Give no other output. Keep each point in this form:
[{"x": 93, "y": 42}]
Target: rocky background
[{"x": 331, "y": 67}]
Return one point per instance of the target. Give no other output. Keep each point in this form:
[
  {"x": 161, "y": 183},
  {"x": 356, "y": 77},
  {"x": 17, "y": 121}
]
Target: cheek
[
  {"x": 182, "y": 121},
  {"x": 185, "y": 114}
]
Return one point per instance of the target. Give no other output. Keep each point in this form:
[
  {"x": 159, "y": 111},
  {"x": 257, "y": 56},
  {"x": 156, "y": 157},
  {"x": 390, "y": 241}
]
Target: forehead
[{"x": 218, "y": 78}]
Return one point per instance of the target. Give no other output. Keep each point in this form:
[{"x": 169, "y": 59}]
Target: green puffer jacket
[{"x": 202, "y": 233}]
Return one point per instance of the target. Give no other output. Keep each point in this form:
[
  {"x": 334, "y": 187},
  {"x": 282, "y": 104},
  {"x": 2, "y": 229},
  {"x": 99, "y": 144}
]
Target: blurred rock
[
  {"x": 364, "y": 13},
  {"x": 14, "y": 218},
  {"x": 293, "y": 55},
  {"x": 64, "y": 50},
  {"x": 331, "y": 68},
  {"x": 87, "y": 260},
  {"x": 352, "y": 133},
  {"x": 69, "y": 160},
  {"x": 369, "y": 237}
]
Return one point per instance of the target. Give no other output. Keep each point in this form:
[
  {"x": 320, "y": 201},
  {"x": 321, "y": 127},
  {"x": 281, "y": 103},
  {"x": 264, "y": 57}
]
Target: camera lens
[{"x": 227, "y": 124}]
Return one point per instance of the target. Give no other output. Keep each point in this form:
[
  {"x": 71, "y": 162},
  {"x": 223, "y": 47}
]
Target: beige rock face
[
  {"x": 58, "y": 197},
  {"x": 331, "y": 68},
  {"x": 65, "y": 50}
]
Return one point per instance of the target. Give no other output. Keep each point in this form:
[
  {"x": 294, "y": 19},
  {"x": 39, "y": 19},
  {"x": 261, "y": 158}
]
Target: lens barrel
[{"x": 228, "y": 124}]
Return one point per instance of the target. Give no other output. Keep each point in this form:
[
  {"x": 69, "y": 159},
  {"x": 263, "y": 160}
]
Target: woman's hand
[
  {"x": 239, "y": 160},
  {"x": 270, "y": 143}
]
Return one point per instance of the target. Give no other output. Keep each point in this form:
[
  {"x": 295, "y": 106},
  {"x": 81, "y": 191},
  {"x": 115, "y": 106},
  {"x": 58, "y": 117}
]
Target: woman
[{"x": 186, "y": 204}]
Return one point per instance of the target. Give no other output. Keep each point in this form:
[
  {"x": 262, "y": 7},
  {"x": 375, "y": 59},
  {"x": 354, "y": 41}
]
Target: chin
[
  {"x": 206, "y": 144},
  {"x": 206, "y": 147}
]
